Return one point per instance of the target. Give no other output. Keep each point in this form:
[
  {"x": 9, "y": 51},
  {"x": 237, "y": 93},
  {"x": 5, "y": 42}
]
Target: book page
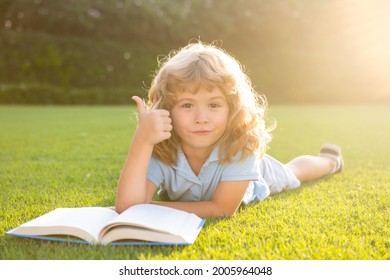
[
  {"x": 126, "y": 234},
  {"x": 159, "y": 218},
  {"x": 88, "y": 219},
  {"x": 189, "y": 232}
]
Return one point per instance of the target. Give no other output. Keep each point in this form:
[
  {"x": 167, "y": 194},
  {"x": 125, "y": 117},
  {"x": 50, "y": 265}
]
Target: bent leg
[{"x": 308, "y": 168}]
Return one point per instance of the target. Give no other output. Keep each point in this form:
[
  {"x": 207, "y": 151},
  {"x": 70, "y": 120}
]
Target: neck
[{"x": 197, "y": 158}]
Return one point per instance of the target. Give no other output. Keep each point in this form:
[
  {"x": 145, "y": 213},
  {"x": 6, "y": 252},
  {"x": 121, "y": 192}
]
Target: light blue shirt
[{"x": 180, "y": 183}]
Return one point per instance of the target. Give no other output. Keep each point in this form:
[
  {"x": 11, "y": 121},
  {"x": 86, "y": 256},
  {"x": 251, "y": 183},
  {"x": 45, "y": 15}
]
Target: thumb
[{"x": 140, "y": 105}]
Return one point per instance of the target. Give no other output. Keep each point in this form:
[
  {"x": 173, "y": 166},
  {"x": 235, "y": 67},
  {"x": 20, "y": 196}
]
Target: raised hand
[{"x": 154, "y": 125}]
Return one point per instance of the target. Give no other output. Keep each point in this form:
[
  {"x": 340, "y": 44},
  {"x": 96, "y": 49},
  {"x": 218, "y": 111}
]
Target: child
[{"x": 202, "y": 140}]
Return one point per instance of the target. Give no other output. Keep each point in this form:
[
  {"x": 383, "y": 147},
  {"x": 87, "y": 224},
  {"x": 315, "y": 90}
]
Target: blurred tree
[
  {"x": 245, "y": 23},
  {"x": 294, "y": 49}
]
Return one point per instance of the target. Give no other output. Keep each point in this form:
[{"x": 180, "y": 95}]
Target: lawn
[{"x": 72, "y": 156}]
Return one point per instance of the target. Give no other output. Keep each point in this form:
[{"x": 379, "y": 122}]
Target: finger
[
  {"x": 162, "y": 113},
  {"x": 140, "y": 105},
  {"x": 167, "y": 135},
  {"x": 167, "y": 127},
  {"x": 167, "y": 120}
]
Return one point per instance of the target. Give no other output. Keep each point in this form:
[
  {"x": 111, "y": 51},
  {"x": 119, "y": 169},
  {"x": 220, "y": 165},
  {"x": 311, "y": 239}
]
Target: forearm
[
  {"x": 203, "y": 209},
  {"x": 153, "y": 127},
  {"x": 225, "y": 202},
  {"x": 132, "y": 182}
]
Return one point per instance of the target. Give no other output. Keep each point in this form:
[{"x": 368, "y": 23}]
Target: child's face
[{"x": 200, "y": 119}]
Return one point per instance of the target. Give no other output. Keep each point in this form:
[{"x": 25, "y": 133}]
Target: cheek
[
  {"x": 223, "y": 119},
  {"x": 179, "y": 121}
]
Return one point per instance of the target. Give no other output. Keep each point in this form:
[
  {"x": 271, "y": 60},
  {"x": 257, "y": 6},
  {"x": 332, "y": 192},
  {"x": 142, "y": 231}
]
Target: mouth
[{"x": 201, "y": 132}]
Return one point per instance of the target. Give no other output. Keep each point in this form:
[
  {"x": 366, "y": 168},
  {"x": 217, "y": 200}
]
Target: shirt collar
[
  {"x": 182, "y": 163},
  {"x": 214, "y": 156}
]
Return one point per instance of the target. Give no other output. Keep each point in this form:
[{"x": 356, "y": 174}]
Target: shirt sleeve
[
  {"x": 155, "y": 172},
  {"x": 242, "y": 170}
]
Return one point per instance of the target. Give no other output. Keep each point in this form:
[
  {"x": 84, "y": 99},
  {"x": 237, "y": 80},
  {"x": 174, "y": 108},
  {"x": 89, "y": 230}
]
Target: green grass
[{"x": 72, "y": 156}]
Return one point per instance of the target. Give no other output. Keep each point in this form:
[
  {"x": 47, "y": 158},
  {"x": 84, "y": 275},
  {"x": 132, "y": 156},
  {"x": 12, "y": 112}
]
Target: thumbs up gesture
[{"x": 154, "y": 125}]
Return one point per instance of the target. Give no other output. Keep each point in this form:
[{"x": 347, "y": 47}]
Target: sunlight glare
[{"x": 366, "y": 34}]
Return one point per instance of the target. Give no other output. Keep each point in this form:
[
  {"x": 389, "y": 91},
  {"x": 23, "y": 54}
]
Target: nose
[{"x": 201, "y": 116}]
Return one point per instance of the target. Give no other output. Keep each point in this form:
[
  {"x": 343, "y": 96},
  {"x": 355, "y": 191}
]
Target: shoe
[{"x": 334, "y": 152}]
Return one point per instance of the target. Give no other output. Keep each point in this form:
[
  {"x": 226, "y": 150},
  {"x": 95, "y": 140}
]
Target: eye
[
  {"x": 187, "y": 105},
  {"x": 215, "y": 105}
]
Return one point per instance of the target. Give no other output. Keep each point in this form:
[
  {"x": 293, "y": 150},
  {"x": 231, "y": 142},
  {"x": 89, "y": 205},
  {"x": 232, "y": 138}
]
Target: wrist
[
  {"x": 142, "y": 138},
  {"x": 140, "y": 145}
]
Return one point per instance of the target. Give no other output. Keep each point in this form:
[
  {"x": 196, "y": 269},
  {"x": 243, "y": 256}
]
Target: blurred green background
[{"x": 103, "y": 52}]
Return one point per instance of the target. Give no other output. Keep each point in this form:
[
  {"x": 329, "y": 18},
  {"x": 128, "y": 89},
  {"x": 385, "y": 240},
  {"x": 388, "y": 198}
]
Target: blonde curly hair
[{"x": 208, "y": 66}]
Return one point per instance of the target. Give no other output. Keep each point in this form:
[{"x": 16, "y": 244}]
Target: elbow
[
  {"x": 119, "y": 209},
  {"x": 123, "y": 202},
  {"x": 224, "y": 212},
  {"x": 223, "y": 215},
  {"x": 229, "y": 214},
  {"x": 122, "y": 207}
]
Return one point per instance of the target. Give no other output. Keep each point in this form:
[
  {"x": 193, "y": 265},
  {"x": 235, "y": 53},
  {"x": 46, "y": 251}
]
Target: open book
[{"x": 148, "y": 223}]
